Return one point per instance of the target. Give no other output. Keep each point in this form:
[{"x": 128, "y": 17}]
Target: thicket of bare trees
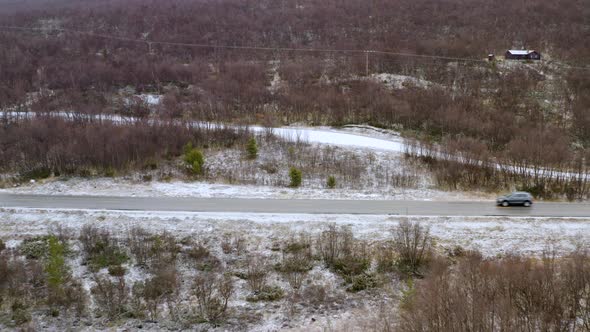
[
  {"x": 508, "y": 294},
  {"x": 463, "y": 164},
  {"x": 480, "y": 109},
  {"x": 41, "y": 145}
]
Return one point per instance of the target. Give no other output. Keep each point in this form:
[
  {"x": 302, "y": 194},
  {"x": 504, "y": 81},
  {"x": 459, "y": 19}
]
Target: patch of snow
[
  {"x": 398, "y": 82},
  {"x": 330, "y": 136},
  {"x": 12, "y": 244},
  {"x": 276, "y": 82},
  {"x": 151, "y": 99},
  {"x": 146, "y": 98}
]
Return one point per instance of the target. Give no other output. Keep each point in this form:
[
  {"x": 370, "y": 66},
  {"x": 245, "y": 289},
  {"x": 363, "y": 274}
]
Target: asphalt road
[{"x": 316, "y": 206}]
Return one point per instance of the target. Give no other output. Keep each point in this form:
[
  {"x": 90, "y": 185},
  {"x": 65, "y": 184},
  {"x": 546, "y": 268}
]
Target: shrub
[
  {"x": 111, "y": 297},
  {"x": 36, "y": 174},
  {"x": 257, "y": 273},
  {"x": 151, "y": 164},
  {"x": 350, "y": 265},
  {"x": 152, "y": 249},
  {"x": 252, "y": 148},
  {"x": 213, "y": 294},
  {"x": 108, "y": 256},
  {"x": 2, "y": 245},
  {"x": 408, "y": 294},
  {"x": 235, "y": 243},
  {"x": 20, "y": 314},
  {"x": 136, "y": 304},
  {"x": 161, "y": 287},
  {"x": 537, "y": 190},
  {"x": 296, "y": 247},
  {"x": 163, "y": 249},
  {"x": 267, "y": 293},
  {"x": 117, "y": 270},
  {"x": 62, "y": 290},
  {"x": 319, "y": 294},
  {"x": 194, "y": 159},
  {"x": 295, "y": 176},
  {"x": 363, "y": 281},
  {"x": 110, "y": 172},
  {"x": 75, "y": 296},
  {"x": 201, "y": 258},
  {"x": 139, "y": 245},
  {"x": 86, "y": 172},
  {"x": 331, "y": 183},
  {"x": 413, "y": 243},
  {"x": 404, "y": 180},
  {"x": 55, "y": 267},
  {"x": 386, "y": 258},
  {"x": 269, "y": 167},
  {"x": 343, "y": 254},
  {"x": 297, "y": 261},
  {"x": 21, "y": 280},
  {"x": 35, "y": 248},
  {"x": 456, "y": 251},
  {"x": 100, "y": 248},
  {"x": 334, "y": 243},
  {"x": 295, "y": 269},
  {"x": 5, "y": 270}
]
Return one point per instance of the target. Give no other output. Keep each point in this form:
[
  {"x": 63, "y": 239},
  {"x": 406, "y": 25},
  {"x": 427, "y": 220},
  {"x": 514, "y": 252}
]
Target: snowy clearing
[
  {"x": 398, "y": 82},
  {"x": 337, "y": 137}
]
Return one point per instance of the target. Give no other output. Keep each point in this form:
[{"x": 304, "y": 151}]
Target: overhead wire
[
  {"x": 238, "y": 47},
  {"x": 255, "y": 48}
]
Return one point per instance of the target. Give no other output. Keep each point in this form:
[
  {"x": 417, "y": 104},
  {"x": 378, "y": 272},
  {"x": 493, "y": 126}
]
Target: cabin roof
[{"x": 520, "y": 52}]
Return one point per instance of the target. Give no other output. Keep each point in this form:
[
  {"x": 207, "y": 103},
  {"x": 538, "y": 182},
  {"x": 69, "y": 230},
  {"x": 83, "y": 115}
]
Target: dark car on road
[{"x": 515, "y": 198}]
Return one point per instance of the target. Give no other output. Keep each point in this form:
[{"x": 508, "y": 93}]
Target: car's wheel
[
  {"x": 505, "y": 204},
  {"x": 527, "y": 203}
]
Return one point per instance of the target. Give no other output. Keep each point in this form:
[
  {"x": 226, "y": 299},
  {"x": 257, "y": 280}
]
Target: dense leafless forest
[
  {"x": 168, "y": 90},
  {"x": 523, "y": 114}
]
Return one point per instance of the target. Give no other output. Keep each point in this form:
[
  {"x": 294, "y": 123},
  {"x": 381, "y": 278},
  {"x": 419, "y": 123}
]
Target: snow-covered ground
[
  {"x": 493, "y": 236},
  {"x": 366, "y": 137},
  {"x": 119, "y": 187},
  {"x": 260, "y": 233},
  {"x": 398, "y": 82},
  {"x": 151, "y": 99}
]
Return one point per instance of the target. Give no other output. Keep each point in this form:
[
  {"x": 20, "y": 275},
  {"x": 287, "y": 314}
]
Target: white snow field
[{"x": 354, "y": 136}]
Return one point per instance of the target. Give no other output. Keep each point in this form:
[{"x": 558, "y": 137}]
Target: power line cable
[
  {"x": 259, "y": 48},
  {"x": 254, "y": 48}
]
